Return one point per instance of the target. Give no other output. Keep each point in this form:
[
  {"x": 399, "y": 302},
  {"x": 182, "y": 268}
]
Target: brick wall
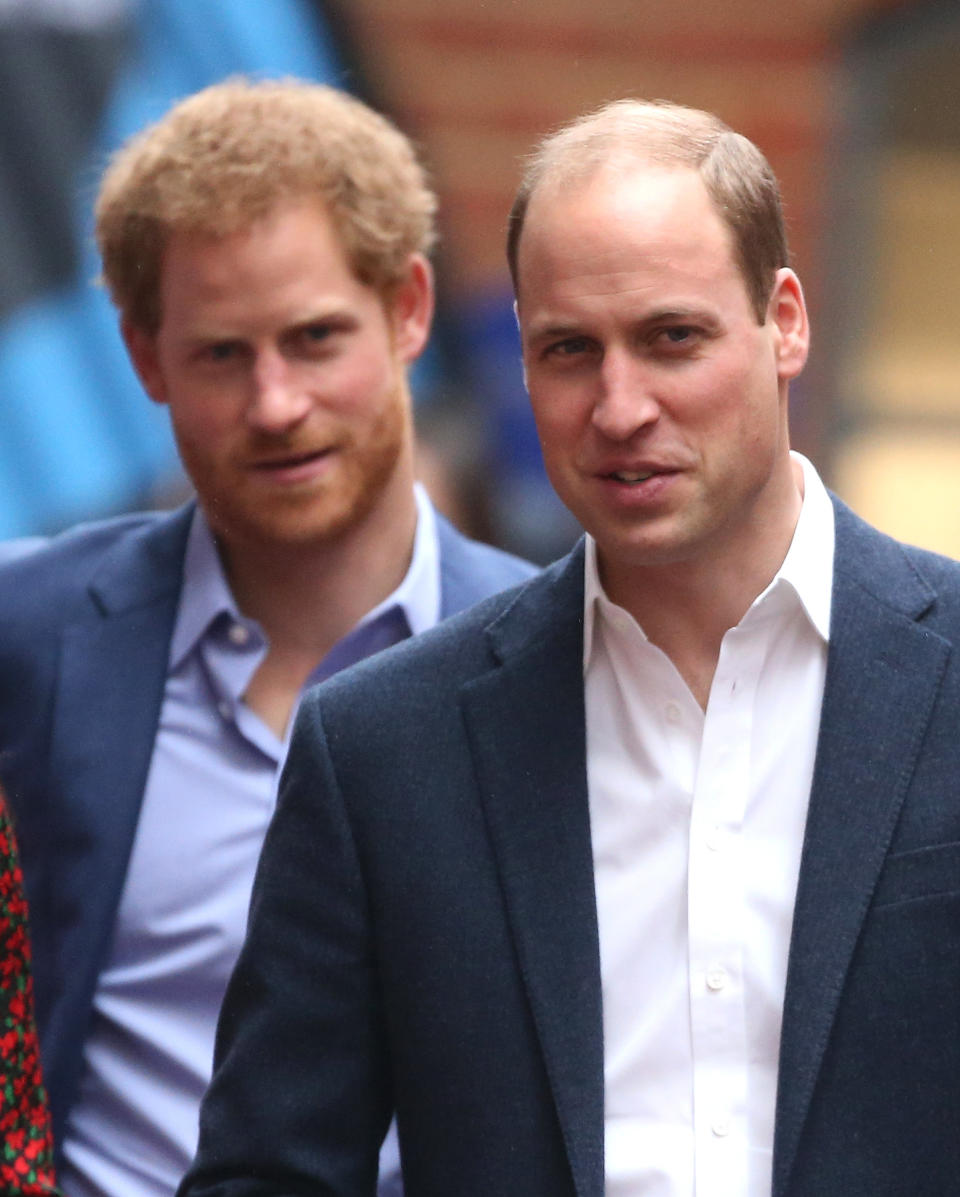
[{"x": 477, "y": 81}]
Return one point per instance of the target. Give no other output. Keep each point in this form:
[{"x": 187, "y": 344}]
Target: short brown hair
[
  {"x": 627, "y": 133},
  {"x": 224, "y": 157}
]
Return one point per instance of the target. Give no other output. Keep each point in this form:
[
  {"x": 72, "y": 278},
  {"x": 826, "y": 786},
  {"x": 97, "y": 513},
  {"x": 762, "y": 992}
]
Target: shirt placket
[
  {"x": 715, "y": 913},
  {"x": 232, "y": 652}
]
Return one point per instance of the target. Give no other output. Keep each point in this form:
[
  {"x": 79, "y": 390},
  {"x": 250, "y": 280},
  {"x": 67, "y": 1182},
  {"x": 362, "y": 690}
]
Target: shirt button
[
  {"x": 225, "y": 709},
  {"x": 720, "y": 1127},
  {"x": 714, "y": 839},
  {"x": 672, "y": 710},
  {"x": 239, "y": 635},
  {"x": 716, "y": 977}
]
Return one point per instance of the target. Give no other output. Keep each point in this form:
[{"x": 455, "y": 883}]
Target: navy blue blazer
[
  {"x": 423, "y": 932},
  {"x": 86, "y": 625}
]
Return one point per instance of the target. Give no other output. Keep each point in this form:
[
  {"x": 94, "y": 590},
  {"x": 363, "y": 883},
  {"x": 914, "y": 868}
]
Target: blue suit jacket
[
  {"x": 86, "y": 624},
  {"x": 424, "y": 933}
]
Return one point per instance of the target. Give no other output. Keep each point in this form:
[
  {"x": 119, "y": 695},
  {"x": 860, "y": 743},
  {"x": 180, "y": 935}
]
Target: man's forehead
[
  {"x": 649, "y": 209},
  {"x": 628, "y": 177},
  {"x": 643, "y": 243}
]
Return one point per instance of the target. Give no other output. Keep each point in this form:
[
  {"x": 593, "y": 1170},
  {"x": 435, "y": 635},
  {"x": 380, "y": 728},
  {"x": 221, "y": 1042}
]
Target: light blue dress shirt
[{"x": 209, "y": 796}]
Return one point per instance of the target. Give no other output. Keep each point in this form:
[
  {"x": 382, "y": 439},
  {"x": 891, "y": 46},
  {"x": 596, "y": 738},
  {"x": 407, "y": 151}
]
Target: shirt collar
[
  {"x": 807, "y": 568},
  {"x": 418, "y": 595},
  {"x": 205, "y": 593},
  {"x": 808, "y": 565}
]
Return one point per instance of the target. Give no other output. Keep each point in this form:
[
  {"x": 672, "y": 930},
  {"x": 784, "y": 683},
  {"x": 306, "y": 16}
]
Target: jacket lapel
[
  {"x": 883, "y": 673},
  {"x": 112, "y": 674},
  {"x": 526, "y": 725},
  {"x": 109, "y": 690}
]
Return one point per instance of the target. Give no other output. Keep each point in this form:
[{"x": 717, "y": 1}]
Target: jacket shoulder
[
  {"x": 428, "y": 670},
  {"x": 439, "y": 658},
  {"x": 42, "y": 581},
  {"x": 470, "y": 570},
  {"x": 916, "y": 582}
]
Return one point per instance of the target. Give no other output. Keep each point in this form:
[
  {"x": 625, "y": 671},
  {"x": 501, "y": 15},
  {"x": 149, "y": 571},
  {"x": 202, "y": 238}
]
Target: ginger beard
[{"x": 346, "y": 477}]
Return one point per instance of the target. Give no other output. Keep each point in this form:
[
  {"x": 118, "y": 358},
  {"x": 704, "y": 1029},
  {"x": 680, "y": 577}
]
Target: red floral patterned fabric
[{"x": 26, "y": 1144}]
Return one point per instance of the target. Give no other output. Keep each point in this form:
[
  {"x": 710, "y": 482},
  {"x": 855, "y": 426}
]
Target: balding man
[{"x": 670, "y": 904}]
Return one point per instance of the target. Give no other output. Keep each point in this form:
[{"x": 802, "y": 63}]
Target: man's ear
[
  {"x": 523, "y": 359},
  {"x": 142, "y": 348},
  {"x": 787, "y": 312},
  {"x": 411, "y": 309}
]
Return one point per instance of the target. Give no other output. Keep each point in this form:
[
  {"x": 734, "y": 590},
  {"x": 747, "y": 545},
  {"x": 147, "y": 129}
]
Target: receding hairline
[
  {"x": 568, "y": 186},
  {"x": 628, "y": 135},
  {"x": 654, "y": 131},
  {"x": 624, "y": 132}
]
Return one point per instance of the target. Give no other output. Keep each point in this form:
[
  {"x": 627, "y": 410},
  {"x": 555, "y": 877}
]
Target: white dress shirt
[
  {"x": 209, "y": 797},
  {"x": 697, "y": 819}
]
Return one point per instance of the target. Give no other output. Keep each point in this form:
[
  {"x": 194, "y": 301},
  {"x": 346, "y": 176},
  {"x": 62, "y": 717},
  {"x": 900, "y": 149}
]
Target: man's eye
[
  {"x": 312, "y": 338},
  {"x": 222, "y": 351},
  {"x": 569, "y": 347}
]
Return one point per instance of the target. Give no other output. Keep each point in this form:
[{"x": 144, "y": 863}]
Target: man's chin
[
  {"x": 292, "y": 527},
  {"x": 650, "y": 547}
]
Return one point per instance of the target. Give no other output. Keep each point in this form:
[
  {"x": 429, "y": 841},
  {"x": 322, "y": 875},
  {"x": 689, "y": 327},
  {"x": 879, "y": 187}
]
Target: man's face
[
  {"x": 659, "y": 400},
  {"x": 285, "y": 378}
]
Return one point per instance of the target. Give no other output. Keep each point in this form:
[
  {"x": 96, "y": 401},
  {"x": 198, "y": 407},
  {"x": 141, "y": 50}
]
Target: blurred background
[{"x": 855, "y": 102}]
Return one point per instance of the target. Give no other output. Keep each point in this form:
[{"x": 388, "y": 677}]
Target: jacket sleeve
[{"x": 300, "y": 1097}]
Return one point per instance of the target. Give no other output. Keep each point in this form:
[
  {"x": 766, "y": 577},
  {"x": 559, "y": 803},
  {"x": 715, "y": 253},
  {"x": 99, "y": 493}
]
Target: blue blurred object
[
  {"x": 529, "y": 517},
  {"x": 79, "y": 438}
]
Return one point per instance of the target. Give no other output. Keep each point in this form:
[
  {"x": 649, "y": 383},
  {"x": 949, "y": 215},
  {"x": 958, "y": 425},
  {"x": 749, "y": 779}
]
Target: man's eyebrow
[
  {"x": 199, "y": 338},
  {"x": 549, "y": 332},
  {"x": 333, "y": 309},
  {"x": 675, "y": 313},
  {"x": 684, "y": 315}
]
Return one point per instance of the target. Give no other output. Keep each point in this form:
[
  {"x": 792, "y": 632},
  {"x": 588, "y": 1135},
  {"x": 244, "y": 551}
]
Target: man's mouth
[
  {"x": 292, "y": 460},
  {"x": 631, "y": 476}
]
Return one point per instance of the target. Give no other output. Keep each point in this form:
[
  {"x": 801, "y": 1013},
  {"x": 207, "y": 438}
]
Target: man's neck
[
  {"x": 687, "y": 617},
  {"x": 306, "y": 597},
  {"x": 310, "y": 595},
  {"x": 686, "y": 608}
]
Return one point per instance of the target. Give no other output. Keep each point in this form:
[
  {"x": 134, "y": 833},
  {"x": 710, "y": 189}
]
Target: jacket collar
[
  {"x": 884, "y": 671},
  {"x": 526, "y": 730},
  {"x": 526, "y": 724},
  {"x": 144, "y": 565}
]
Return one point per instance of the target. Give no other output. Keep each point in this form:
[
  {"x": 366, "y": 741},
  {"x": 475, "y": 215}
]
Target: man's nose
[
  {"x": 626, "y": 401},
  {"x": 278, "y": 400}
]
